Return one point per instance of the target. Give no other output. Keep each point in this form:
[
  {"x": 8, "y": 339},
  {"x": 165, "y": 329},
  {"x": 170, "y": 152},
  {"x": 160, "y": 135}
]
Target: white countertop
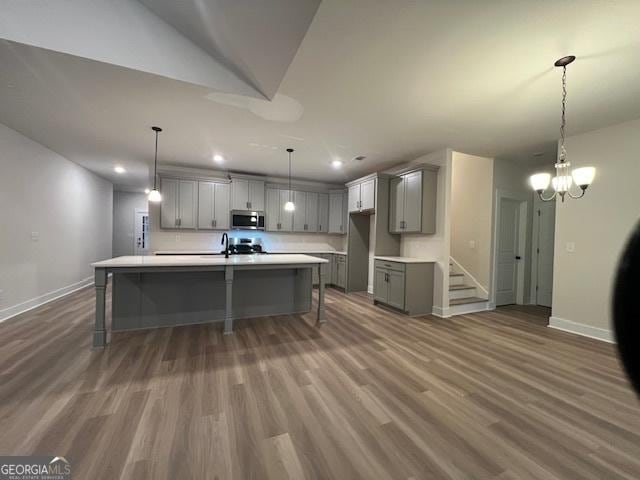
[
  {"x": 217, "y": 252},
  {"x": 306, "y": 251},
  {"x": 197, "y": 261},
  {"x": 405, "y": 259}
]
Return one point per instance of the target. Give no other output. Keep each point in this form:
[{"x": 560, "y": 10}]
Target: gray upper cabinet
[
  {"x": 312, "y": 212},
  {"x": 323, "y": 213},
  {"x": 179, "y": 203},
  {"x": 412, "y": 198},
  {"x": 277, "y": 218},
  {"x": 247, "y": 194},
  {"x": 300, "y": 213},
  {"x": 337, "y": 212},
  {"x": 213, "y": 205},
  {"x": 362, "y": 196},
  {"x": 305, "y": 216},
  {"x": 272, "y": 213}
]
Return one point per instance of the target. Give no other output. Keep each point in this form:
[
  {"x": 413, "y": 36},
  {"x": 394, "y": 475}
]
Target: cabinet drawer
[{"x": 398, "y": 267}]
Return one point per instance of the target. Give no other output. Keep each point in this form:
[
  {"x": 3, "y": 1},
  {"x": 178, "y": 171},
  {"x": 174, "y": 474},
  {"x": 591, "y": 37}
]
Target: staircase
[{"x": 463, "y": 296}]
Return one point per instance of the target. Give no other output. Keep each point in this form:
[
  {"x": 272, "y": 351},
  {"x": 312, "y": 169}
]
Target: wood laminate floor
[{"x": 371, "y": 394}]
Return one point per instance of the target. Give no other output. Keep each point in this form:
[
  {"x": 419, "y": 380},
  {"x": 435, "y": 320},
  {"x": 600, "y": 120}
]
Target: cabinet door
[
  {"x": 312, "y": 212},
  {"x": 334, "y": 270},
  {"x": 412, "y": 202},
  {"x": 221, "y": 212},
  {"x": 344, "y": 226},
  {"x": 396, "y": 289},
  {"x": 396, "y": 204},
  {"x": 286, "y": 218},
  {"x": 272, "y": 213},
  {"x": 323, "y": 212},
  {"x": 187, "y": 203},
  {"x": 169, "y": 204},
  {"x": 341, "y": 275},
  {"x": 299, "y": 214},
  {"x": 206, "y": 202},
  {"x": 256, "y": 195},
  {"x": 354, "y": 198},
  {"x": 380, "y": 286},
  {"x": 239, "y": 194},
  {"x": 335, "y": 213},
  {"x": 368, "y": 195}
]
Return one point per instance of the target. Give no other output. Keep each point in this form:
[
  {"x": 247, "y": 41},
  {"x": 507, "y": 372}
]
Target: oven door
[{"x": 247, "y": 220}]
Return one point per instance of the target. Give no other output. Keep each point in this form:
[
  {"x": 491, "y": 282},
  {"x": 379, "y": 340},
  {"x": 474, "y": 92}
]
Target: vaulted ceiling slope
[
  {"x": 241, "y": 48},
  {"x": 256, "y": 39}
]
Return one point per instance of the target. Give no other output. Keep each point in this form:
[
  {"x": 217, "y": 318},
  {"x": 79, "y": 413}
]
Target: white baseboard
[
  {"x": 581, "y": 329},
  {"x": 442, "y": 312},
  {"x": 42, "y": 299},
  {"x": 468, "y": 308}
]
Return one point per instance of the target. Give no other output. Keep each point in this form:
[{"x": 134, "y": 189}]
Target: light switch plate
[
  {"x": 571, "y": 247},
  {"x": 472, "y": 244},
  {"x": 35, "y": 236}
]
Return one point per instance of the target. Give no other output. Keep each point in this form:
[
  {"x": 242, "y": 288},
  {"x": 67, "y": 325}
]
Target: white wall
[
  {"x": 66, "y": 208},
  {"x": 436, "y": 246},
  {"x": 124, "y": 208},
  {"x": 599, "y": 225},
  {"x": 471, "y": 213}
]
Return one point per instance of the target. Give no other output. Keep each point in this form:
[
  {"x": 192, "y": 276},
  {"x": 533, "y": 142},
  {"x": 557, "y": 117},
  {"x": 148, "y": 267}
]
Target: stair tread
[
  {"x": 460, "y": 287},
  {"x": 456, "y": 274},
  {"x": 464, "y": 301}
]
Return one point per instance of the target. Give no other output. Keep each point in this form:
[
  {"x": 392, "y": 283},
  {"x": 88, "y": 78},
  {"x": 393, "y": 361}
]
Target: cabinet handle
[
  {"x": 213, "y": 223},
  {"x": 249, "y": 204}
]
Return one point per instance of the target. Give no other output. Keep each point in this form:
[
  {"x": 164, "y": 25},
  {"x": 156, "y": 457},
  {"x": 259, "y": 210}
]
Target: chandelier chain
[{"x": 563, "y": 152}]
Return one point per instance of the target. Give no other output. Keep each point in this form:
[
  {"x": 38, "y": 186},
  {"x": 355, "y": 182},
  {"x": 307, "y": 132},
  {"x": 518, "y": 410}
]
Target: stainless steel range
[{"x": 245, "y": 246}]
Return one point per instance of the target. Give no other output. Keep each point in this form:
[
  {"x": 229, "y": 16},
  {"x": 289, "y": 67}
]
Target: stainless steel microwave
[{"x": 247, "y": 220}]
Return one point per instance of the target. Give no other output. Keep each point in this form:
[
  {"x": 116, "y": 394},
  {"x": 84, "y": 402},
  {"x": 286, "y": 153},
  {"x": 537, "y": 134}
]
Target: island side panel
[{"x": 267, "y": 292}]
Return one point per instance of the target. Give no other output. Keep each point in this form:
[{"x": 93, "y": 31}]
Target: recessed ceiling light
[
  {"x": 218, "y": 158},
  {"x": 336, "y": 164},
  {"x": 119, "y": 169},
  {"x": 147, "y": 191}
]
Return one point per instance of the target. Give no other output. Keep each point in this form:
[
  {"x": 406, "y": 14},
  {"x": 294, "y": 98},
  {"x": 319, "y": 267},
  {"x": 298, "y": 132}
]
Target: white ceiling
[{"x": 389, "y": 80}]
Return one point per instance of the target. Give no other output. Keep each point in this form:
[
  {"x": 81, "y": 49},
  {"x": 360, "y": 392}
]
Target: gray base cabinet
[
  {"x": 336, "y": 270},
  {"x": 405, "y": 286}
]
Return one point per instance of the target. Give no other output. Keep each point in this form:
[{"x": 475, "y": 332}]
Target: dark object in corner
[{"x": 626, "y": 308}]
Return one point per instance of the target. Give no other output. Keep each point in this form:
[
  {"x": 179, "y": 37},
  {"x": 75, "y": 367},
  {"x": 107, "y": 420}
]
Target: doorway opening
[
  {"x": 141, "y": 232},
  {"x": 510, "y": 248},
  {"x": 544, "y": 223}
]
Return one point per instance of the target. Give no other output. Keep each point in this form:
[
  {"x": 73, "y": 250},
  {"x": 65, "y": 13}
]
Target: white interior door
[
  {"x": 546, "y": 236},
  {"x": 507, "y": 272},
  {"x": 141, "y": 233}
]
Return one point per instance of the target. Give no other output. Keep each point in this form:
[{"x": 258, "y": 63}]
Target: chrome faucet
[{"x": 225, "y": 242}]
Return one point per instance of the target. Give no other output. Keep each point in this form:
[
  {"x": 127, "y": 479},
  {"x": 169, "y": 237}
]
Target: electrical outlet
[
  {"x": 35, "y": 236},
  {"x": 571, "y": 247},
  {"x": 472, "y": 244}
]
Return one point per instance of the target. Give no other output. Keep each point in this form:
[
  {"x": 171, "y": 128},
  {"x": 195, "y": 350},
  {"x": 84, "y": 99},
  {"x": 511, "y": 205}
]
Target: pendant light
[
  {"x": 564, "y": 178},
  {"x": 290, "y": 206},
  {"x": 154, "y": 195}
]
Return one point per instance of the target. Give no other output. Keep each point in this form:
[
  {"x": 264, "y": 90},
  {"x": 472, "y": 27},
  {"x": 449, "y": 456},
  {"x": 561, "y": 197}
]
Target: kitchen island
[{"x": 164, "y": 291}]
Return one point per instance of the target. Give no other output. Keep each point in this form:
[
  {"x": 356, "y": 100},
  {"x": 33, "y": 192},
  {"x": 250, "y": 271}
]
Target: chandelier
[{"x": 565, "y": 177}]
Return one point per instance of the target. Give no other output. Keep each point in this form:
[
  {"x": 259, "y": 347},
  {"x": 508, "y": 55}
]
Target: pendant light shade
[
  {"x": 290, "y": 206},
  {"x": 154, "y": 195}
]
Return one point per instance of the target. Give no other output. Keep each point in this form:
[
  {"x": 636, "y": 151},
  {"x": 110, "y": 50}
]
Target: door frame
[
  {"x": 136, "y": 212},
  {"x": 535, "y": 240},
  {"x": 524, "y": 201}
]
